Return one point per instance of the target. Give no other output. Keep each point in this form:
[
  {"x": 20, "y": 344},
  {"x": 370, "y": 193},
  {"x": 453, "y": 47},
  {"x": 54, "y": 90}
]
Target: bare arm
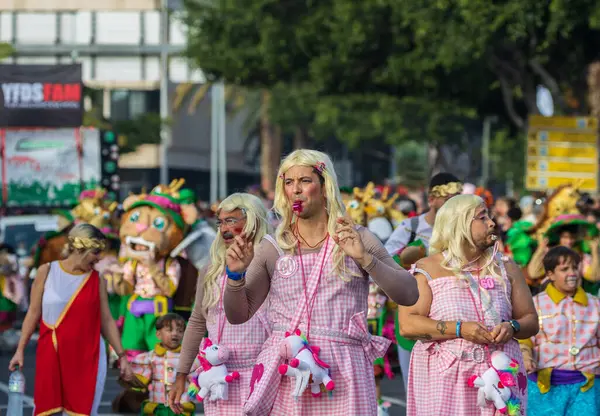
[
  {"x": 522, "y": 302},
  {"x": 34, "y": 313},
  {"x": 194, "y": 332},
  {"x": 535, "y": 268},
  {"x": 108, "y": 326},
  {"x": 415, "y": 322},
  {"x": 244, "y": 297},
  {"x": 396, "y": 282}
]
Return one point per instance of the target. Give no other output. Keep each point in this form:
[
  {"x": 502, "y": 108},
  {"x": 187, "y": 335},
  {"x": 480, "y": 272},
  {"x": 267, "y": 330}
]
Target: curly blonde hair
[{"x": 83, "y": 238}]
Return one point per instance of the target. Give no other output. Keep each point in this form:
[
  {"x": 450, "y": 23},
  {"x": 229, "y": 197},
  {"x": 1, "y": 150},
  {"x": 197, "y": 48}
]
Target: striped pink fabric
[
  {"x": 437, "y": 383},
  {"x": 244, "y": 342},
  {"x": 338, "y": 327}
]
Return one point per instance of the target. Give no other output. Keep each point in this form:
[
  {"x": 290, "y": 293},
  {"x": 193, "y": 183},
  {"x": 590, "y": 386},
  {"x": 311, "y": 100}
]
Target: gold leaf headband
[
  {"x": 87, "y": 243},
  {"x": 447, "y": 189}
]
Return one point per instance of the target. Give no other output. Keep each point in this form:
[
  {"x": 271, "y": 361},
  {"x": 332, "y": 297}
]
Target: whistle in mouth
[{"x": 297, "y": 206}]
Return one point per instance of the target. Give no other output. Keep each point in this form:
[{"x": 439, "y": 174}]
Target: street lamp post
[
  {"x": 485, "y": 149},
  {"x": 165, "y": 133}
]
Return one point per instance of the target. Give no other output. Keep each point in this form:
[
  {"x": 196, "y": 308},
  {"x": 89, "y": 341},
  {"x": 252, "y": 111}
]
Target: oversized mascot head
[{"x": 154, "y": 224}]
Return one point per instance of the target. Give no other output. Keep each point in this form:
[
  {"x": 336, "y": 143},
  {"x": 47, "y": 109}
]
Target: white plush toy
[
  {"x": 495, "y": 382},
  {"x": 212, "y": 379},
  {"x": 304, "y": 362}
]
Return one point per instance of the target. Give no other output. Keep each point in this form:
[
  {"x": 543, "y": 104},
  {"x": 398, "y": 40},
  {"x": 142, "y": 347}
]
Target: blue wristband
[
  {"x": 233, "y": 275},
  {"x": 458, "y": 325}
]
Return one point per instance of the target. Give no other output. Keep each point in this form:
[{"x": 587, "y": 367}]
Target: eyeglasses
[
  {"x": 484, "y": 217},
  {"x": 230, "y": 222}
]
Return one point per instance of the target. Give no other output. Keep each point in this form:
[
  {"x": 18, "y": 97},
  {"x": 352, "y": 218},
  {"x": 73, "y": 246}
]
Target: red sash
[{"x": 68, "y": 353}]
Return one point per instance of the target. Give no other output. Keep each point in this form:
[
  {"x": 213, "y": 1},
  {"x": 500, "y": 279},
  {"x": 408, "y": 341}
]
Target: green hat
[
  {"x": 571, "y": 221},
  {"x": 167, "y": 200}
]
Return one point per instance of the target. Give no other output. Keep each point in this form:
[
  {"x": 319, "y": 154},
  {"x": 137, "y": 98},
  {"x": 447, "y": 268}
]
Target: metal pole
[
  {"x": 214, "y": 143},
  {"x": 222, "y": 143},
  {"x": 165, "y": 133}
]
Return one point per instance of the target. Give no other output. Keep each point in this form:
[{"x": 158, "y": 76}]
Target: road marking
[
  {"x": 26, "y": 399},
  {"x": 392, "y": 400}
]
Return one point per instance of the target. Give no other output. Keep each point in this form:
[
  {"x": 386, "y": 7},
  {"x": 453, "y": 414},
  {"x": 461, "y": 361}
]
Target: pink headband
[{"x": 164, "y": 202}]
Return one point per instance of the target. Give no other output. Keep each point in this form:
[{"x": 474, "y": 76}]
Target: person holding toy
[
  {"x": 563, "y": 359},
  {"x": 318, "y": 360},
  {"x": 237, "y": 213},
  {"x": 473, "y": 302}
]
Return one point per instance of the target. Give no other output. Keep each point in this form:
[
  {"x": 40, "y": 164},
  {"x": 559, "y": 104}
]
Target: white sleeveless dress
[{"x": 58, "y": 290}]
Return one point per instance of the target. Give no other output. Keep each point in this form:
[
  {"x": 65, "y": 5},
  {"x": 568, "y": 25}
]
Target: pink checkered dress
[
  {"x": 244, "y": 343},
  {"x": 437, "y": 381},
  {"x": 338, "y": 327}
]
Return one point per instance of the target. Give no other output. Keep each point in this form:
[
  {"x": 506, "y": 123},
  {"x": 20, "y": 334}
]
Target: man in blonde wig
[
  {"x": 316, "y": 275},
  {"x": 238, "y": 214},
  {"x": 473, "y": 303}
]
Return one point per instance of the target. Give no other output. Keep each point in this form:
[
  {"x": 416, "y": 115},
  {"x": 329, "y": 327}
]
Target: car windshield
[{"x": 22, "y": 237}]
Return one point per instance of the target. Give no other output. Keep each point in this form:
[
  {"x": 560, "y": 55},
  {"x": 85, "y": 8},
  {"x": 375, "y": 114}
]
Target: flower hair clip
[{"x": 320, "y": 167}]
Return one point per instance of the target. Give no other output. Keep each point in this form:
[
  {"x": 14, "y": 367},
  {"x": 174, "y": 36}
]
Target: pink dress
[
  {"x": 338, "y": 326},
  {"x": 441, "y": 369},
  {"x": 244, "y": 342}
]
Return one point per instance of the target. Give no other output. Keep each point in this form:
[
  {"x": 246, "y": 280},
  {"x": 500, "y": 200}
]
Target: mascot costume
[{"x": 152, "y": 282}]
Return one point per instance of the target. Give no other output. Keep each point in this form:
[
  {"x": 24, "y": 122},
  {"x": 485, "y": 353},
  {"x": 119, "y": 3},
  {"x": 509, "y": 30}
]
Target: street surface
[{"x": 392, "y": 389}]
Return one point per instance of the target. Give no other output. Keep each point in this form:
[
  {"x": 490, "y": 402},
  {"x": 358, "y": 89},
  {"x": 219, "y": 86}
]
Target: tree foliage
[{"x": 401, "y": 70}]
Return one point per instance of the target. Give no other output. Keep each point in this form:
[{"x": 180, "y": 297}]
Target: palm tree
[{"x": 257, "y": 122}]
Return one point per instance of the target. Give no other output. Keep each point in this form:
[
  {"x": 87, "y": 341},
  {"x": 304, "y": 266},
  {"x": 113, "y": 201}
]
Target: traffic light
[{"x": 109, "y": 159}]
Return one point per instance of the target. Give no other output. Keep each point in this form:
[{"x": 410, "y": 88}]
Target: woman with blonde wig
[
  {"x": 316, "y": 275},
  {"x": 70, "y": 302},
  {"x": 473, "y": 302},
  {"x": 238, "y": 213}
]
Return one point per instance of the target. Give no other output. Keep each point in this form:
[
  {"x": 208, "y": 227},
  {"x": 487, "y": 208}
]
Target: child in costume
[
  {"x": 236, "y": 214},
  {"x": 563, "y": 359},
  {"x": 316, "y": 277},
  {"x": 151, "y": 227},
  {"x": 155, "y": 370}
]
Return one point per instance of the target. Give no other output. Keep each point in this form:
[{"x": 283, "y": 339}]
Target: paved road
[{"x": 391, "y": 389}]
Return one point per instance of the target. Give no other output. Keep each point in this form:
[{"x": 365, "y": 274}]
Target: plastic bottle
[{"x": 16, "y": 391}]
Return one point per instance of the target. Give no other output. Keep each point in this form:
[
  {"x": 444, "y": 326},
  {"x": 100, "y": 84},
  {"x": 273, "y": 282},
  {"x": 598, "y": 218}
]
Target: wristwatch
[{"x": 515, "y": 325}]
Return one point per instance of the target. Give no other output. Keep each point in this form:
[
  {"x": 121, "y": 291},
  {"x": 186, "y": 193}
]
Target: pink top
[
  {"x": 569, "y": 331},
  {"x": 244, "y": 297},
  {"x": 145, "y": 286}
]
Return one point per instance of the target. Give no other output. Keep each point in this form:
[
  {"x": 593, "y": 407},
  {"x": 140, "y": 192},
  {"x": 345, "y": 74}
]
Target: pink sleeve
[
  {"x": 141, "y": 366},
  {"x": 174, "y": 274},
  {"x": 128, "y": 272}
]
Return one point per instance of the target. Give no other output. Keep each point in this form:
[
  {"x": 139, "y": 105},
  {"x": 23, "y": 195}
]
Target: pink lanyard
[
  {"x": 304, "y": 285},
  {"x": 480, "y": 308},
  {"x": 221, "y": 313}
]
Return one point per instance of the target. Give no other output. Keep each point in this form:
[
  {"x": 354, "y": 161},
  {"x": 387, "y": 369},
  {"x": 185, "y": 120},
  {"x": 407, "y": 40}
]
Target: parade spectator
[
  {"x": 472, "y": 302},
  {"x": 72, "y": 302}
]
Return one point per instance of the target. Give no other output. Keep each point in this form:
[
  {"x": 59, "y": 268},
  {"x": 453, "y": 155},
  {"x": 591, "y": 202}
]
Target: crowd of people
[{"x": 493, "y": 302}]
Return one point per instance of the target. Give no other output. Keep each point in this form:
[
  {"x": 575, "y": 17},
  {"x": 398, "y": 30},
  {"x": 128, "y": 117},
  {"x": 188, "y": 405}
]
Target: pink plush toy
[
  {"x": 304, "y": 362},
  {"x": 495, "y": 382},
  {"x": 212, "y": 379}
]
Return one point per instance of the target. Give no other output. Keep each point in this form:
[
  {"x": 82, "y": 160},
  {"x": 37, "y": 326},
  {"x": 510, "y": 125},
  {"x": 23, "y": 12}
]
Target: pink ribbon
[{"x": 373, "y": 346}]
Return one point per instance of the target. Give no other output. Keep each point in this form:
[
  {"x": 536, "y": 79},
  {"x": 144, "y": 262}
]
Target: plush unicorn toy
[
  {"x": 304, "y": 362},
  {"x": 212, "y": 379},
  {"x": 495, "y": 382}
]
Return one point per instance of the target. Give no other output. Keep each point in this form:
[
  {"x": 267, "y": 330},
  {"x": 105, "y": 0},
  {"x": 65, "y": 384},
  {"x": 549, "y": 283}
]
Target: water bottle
[{"x": 16, "y": 390}]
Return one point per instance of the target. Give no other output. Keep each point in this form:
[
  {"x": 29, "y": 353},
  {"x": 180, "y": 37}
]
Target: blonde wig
[
  {"x": 452, "y": 236},
  {"x": 323, "y": 165},
  {"x": 256, "y": 226},
  {"x": 83, "y": 238}
]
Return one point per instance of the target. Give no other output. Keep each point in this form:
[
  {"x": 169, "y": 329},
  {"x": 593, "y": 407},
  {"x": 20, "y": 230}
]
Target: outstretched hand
[{"x": 239, "y": 254}]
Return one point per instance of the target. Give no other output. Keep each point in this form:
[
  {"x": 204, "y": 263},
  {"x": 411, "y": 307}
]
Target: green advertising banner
[{"x": 45, "y": 168}]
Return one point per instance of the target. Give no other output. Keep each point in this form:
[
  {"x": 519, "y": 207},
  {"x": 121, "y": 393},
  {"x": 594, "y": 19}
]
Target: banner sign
[
  {"x": 45, "y": 167},
  {"x": 41, "y": 95}
]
